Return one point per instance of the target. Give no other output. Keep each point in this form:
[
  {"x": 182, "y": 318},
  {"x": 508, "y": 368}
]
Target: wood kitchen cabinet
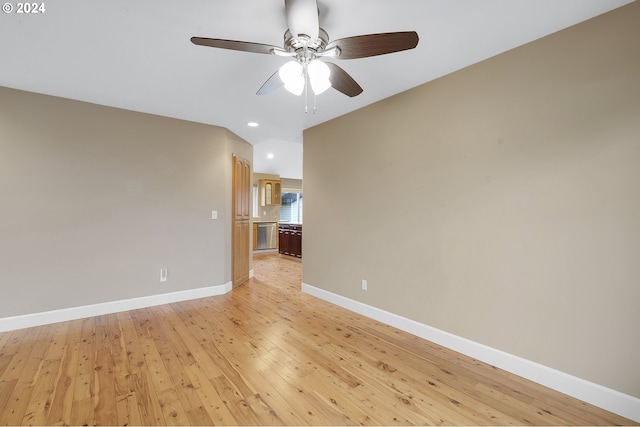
[
  {"x": 255, "y": 236},
  {"x": 270, "y": 192},
  {"x": 290, "y": 236}
]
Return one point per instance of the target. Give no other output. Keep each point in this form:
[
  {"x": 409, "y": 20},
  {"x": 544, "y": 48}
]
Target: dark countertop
[{"x": 287, "y": 225}]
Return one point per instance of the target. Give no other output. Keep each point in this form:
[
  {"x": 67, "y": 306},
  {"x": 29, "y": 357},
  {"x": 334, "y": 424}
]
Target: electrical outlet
[
  {"x": 364, "y": 284},
  {"x": 163, "y": 274}
]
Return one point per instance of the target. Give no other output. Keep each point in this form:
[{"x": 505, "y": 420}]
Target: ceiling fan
[{"x": 308, "y": 45}]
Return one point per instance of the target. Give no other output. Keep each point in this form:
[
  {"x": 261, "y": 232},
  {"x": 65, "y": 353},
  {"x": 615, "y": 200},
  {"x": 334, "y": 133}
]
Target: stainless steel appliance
[{"x": 267, "y": 235}]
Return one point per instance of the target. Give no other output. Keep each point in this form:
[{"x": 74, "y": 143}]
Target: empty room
[{"x": 466, "y": 253}]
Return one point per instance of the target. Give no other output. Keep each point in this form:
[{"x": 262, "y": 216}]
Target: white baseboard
[
  {"x": 595, "y": 394},
  {"x": 63, "y": 315}
]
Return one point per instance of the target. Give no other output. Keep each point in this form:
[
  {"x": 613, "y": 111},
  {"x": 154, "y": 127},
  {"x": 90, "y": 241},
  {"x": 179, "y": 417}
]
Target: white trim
[
  {"x": 595, "y": 394},
  {"x": 66, "y": 314}
]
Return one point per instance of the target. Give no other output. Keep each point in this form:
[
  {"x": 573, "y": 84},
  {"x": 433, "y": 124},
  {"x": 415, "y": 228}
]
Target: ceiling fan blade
[
  {"x": 342, "y": 81},
  {"x": 234, "y": 45},
  {"x": 272, "y": 84},
  {"x": 302, "y": 18},
  {"x": 374, "y": 44}
]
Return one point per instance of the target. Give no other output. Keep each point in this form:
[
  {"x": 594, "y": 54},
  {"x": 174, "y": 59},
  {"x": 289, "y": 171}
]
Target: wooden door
[{"x": 241, "y": 220}]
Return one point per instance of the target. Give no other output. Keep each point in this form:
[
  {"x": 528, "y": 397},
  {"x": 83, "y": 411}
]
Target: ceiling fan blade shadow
[
  {"x": 272, "y": 84},
  {"x": 234, "y": 45},
  {"x": 342, "y": 81},
  {"x": 374, "y": 44}
]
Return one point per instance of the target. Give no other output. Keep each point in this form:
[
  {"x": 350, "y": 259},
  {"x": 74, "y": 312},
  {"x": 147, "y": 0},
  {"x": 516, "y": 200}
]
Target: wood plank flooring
[{"x": 264, "y": 354}]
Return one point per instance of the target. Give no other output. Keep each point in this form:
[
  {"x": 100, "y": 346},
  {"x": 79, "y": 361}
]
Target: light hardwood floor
[{"x": 264, "y": 354}]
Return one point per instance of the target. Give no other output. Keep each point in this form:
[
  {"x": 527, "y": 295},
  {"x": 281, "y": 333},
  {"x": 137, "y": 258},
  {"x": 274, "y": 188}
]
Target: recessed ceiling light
[
  {"x": 270, "y": 156},
  {"x": 253, "y": 124}
]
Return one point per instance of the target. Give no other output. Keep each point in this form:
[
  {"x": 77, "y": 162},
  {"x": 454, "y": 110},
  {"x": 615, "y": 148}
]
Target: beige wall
[
  {"x": 95, "y": 200},
  {"x": 500, "y": 203}
]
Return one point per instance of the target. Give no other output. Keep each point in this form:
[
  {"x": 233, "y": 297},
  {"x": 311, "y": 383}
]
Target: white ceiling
[{"x": 136, "y": 55}]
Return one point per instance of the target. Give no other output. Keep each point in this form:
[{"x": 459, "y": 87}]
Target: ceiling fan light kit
[
  {"x": 292, "y": 77},
  {"x": 308, "y": 46},
  {"x": 319, "y": 74}
]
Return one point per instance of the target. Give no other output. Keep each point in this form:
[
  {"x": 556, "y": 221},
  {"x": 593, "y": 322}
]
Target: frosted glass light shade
[
  {"x": 292, "y": 76},
  {"x": 319, "y": 74}
]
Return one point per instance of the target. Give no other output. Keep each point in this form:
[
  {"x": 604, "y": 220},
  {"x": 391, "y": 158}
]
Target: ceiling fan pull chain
[
  {"x": 315, "y": 110},
  {"x": 306, "y": 90}
]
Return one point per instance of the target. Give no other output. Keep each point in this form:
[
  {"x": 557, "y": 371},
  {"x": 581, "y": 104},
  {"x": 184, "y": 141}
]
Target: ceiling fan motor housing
[{"x": 304, "y": 48}]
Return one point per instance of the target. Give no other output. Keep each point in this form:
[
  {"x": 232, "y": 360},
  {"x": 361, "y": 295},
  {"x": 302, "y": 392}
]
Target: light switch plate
[{"x": 214, "y": 214}]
